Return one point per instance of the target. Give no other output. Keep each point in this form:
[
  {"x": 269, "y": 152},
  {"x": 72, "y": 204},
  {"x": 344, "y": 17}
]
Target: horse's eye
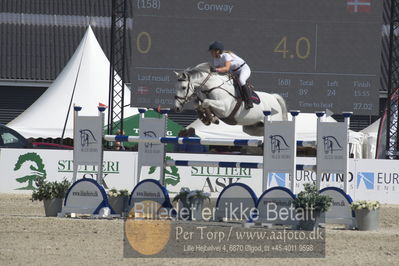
[{"x": 184, "y": 88}]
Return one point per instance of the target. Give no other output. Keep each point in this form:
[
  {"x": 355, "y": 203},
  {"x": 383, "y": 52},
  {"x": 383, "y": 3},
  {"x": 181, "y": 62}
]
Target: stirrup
[{"x": 248, "y": 105}]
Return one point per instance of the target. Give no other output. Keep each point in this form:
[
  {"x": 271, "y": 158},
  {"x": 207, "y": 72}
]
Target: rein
[
  {"x": 186, "y": 98},
  {"x": 220, "y": 88}
]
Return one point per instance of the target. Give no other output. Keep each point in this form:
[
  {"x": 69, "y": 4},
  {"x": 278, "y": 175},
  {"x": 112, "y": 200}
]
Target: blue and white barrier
[
  {"x": 214, "y": 164},
  {"x": 198, "y": 141},
  {"x": 276, "y": 149},
  {"x": 230, "y": 164},
  {"x": 279, "y": 157},
  {"x": 302, "y": 143},
  {"x": 185, "y": 140}
]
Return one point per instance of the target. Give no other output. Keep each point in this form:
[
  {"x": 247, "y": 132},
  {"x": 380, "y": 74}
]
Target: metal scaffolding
[
  {"x": 118, "y": 65},
  {"x": 391, "y": 18}
]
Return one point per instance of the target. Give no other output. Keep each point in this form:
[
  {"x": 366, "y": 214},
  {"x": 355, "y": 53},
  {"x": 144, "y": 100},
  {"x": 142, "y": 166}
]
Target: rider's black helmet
[{"x": 216, "y": 46}]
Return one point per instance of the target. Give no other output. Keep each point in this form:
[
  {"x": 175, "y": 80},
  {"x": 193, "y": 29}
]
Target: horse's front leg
[
  {"x": 217, "y": 107},
  {"x": 204, "y": 115}
]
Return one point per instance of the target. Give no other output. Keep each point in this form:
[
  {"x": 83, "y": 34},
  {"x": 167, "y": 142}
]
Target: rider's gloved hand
[{"x": 213, "y": 69}]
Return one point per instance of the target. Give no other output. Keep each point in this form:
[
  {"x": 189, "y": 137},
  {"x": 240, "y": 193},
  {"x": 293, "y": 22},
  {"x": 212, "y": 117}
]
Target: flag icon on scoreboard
[
  {"x": 358, "y": 6},
  {"x": 143, "y": 90}
]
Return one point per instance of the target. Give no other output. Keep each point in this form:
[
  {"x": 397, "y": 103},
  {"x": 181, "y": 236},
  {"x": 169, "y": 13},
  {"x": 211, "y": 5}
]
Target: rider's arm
[{"x": 225, "y": 68}]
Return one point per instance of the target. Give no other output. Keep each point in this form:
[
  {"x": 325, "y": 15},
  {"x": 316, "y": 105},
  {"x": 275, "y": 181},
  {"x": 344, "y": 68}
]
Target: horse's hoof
[
  {"x": 206, "y": 122},
  {"x": 216, "y": 121}
]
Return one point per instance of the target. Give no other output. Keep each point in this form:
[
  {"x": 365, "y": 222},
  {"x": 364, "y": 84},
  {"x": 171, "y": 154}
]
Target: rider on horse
[{"x": 224, "y": 62}]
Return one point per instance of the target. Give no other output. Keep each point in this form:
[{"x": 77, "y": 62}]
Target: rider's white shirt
[{"x": 236, "y": 61}]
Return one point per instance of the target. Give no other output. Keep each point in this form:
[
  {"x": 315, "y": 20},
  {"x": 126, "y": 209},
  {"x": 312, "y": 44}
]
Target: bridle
[{"x": 190, "y": 87}]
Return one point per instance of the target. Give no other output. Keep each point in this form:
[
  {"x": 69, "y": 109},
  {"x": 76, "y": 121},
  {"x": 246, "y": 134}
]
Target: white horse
[{"x": 216, "y": 97}]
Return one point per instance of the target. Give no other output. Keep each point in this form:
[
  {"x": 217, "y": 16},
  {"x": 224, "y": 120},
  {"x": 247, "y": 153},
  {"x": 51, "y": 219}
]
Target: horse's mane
[{"x": 199, "y": 69}]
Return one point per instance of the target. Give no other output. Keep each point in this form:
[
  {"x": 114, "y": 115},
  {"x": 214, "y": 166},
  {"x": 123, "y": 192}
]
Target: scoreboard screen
[{"x": 317, "y": 54}]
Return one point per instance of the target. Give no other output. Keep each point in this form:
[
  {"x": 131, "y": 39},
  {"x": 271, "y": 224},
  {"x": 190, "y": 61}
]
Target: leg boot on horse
[{"x": 206, "y": 116}]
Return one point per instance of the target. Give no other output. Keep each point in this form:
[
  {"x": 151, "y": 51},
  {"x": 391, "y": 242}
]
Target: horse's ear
[
  {"x": 176, "y": 73},
  {"x": 183, "y": 76}
]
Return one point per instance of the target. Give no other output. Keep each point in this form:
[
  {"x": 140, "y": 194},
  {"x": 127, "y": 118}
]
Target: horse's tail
[{"x": 283, "y": 105}]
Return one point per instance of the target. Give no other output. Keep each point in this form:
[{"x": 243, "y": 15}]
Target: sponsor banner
[
  {"x": 215, "y": 179},
  {"x": 85, "y": 196},
  {"x": 20, "y": 167},
  {"x": 368, "y": 179},
  {"x": 208, "y": 179},
  {"x": 377, "y": 180}
]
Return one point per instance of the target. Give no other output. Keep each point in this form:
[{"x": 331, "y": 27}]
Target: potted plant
[
  {"x": 182, "y": 199},
  {"x": 193, "y": 201},
  {"x": 118, "y": 199},
  {"x": 312, "y": 205},
  {"x": 52, "y": 195},
  {"x": 196, "y": 198},
  {"x": 367, "y": 214}
]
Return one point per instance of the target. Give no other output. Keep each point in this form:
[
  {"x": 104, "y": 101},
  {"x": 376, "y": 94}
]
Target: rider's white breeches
[{"x": 243, "y": 74}]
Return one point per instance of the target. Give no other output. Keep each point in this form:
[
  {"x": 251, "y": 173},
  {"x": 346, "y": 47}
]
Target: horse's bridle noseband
[{"x": 186, "y": 98}]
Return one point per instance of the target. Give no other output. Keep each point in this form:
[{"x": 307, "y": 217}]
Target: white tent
[
  {"x": 85, "y": 80},
  {"x": 370, "y": 139},
  {"x": 306, "y": 128}
]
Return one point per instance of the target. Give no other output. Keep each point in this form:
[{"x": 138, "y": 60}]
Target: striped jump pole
[
  {"x": 214, "y": 164},
  {"x": 251, "y": 165},
  {"x": 277, "y": 136},
  {"x": 198, "y": 141},
  {"x": 152, "y": 147},
  {"x": 303, "y": 143},
  {"x": 185, "y": 140}
]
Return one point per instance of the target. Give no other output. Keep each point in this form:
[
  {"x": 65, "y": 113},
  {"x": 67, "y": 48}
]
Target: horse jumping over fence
[{"x": 215, "y": 97}]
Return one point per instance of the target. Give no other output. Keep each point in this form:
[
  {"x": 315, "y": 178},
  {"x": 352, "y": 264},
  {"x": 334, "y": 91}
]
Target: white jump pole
[
  {"x": 346, "y": 116},
  {"x": 319, "y": 174}
]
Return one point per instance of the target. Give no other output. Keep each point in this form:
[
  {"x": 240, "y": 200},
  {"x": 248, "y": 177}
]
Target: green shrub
[
  {"x": 50, "y": 190},
  {"x": 311, "y": 198}
]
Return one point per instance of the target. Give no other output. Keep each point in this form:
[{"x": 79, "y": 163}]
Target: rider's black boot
[{"x": 247, "y": 97}]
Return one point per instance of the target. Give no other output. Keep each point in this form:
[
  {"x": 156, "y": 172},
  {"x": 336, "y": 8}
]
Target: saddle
[
  {"x": 239, "y": 98},
  {"x": 206, "y": 116}
]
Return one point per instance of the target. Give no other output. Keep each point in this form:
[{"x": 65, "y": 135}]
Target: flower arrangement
[
  {"x": 182, "y": 196},
  {"x": 365, "y": 204},
  {"x": 113, "y": 193},
  {"x": 186, "y": 195},
  {"x": 50, "y": 190},
  {"x": 311, "y": 198},
  {"x": 198, "y": 194}
]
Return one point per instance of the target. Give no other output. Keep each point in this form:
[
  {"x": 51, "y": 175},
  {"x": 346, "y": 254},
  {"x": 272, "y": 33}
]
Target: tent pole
[{"x": 73, "y": 93}]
